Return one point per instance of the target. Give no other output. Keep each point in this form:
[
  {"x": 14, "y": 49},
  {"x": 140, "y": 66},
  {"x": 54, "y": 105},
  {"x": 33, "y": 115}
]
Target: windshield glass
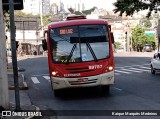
[{"x": 79, "y": 43}]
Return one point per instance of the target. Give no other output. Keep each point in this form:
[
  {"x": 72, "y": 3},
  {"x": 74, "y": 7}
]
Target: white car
[{"x": 155, "y": 63}]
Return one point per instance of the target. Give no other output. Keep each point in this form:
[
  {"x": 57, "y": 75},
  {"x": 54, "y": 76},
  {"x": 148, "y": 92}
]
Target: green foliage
[
  {"x": 85, "y": 12},
  {"x": 46, "y": 19},
  {"x": 151, "y": 40},
  {"x": 139, "y": 39},
  {"x": 78, "y": 13},
  {"x": 19, "y": 13},
  {"x": 130, "y": 6},
  {"x": 71, "y": 10},
  {"x": 7, "y": 22},
  {"x": 117, "y": 45}
]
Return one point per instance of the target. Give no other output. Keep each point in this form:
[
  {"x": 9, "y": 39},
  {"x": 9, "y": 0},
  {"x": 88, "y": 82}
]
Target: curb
[
  {"x": 23, "y": 87},
  {"x": 10, "y": 69}
]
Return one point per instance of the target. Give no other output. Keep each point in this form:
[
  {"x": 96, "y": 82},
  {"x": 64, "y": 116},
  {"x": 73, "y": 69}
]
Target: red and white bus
[{"x": 80, "y": 53}]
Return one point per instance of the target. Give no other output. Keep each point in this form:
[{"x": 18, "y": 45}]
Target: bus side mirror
[
  {"x": 112, "y": 37},
  {"x": 44, "y": 44},
  {"x": 109, "y": 26}
]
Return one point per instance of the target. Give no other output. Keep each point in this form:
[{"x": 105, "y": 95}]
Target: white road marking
[
  {"x": 41, "y": 75},
  {"x": 131, "y": 70},
  {"x": 145, "y": 67},
  {"x": 35, "y": 80},
  {"x": 117, "y": 88},
  {"x": 140, "y": 69},
  {"x": 47, "y": 78},
  {"x": 123, "y": 72},
  {"x": 131, "y": 66}
]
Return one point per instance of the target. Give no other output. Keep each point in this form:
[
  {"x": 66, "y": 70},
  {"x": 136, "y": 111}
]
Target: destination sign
[{"x": 65, "y": 31}]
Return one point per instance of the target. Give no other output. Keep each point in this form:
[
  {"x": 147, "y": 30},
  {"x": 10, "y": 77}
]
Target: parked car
[
  {"x": 155, "y": 63},
  {"x": 147, "y": 48},
  {"x": 120, "y": 50}
]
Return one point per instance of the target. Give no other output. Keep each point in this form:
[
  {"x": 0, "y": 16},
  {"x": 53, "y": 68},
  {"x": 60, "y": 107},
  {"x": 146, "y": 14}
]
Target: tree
[
  {"x": 139, "y": 39},
  {"x": 71, "y": 10},
  {"x": 117, "y": 45},
  {"x": 46, "y": 19},
  {"x": 130, "y": 6},
  {"x": 146, "y": 22},
  {"x": 89, "y": 11},
  {"x": 85, "y": 12},
  {"x": 78, "y": 13},
  {"x": 151, "y": 40}
]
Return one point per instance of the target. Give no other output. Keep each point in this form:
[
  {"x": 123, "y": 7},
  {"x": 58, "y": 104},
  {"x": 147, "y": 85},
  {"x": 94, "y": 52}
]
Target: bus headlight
[
  {"x": 109, "y": 68},
  {"x": 55, "y": 73}
]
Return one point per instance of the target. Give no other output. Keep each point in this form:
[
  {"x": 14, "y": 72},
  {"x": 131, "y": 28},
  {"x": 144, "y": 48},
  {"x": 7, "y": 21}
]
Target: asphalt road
[{"x": 135, "y": 89}]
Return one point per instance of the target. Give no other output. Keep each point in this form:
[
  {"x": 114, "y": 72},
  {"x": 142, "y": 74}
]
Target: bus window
[{"x": 79, "y": 43}]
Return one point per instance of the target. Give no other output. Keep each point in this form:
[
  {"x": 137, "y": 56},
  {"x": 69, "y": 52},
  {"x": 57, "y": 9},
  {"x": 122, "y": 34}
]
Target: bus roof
[{"x": 76, "y": 22}]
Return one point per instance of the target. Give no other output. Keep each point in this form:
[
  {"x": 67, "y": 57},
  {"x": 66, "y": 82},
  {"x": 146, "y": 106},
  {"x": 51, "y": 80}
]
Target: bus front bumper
[{"x": 98, "y": 80}]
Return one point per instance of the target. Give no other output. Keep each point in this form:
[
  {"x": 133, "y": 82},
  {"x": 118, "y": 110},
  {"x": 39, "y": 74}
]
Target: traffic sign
[{"x": 18, "y": 4}]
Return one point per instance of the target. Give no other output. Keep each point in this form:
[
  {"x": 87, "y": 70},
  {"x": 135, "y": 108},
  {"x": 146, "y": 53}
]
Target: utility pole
[
  {"x": 128, "y": 38},
  {"x": 158, "y": 34},
  {"x": 4, "y": 95},
  {"x": 41, "y": 15},
  {"x": 14, "y": 54}
]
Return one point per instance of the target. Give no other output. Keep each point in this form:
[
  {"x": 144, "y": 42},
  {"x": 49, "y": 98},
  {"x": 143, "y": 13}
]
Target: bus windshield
[{"x": 79, "y": 43}]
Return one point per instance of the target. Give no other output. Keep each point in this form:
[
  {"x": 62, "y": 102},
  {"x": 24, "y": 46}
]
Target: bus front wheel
[
  {"x": 57, "y": 93},
  {"x": 105, "y": 89}
]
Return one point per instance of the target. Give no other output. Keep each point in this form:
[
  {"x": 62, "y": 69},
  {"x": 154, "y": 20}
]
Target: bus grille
[
  {"x": 81, "y": 83},
  {"x": 79, "y": 70}
]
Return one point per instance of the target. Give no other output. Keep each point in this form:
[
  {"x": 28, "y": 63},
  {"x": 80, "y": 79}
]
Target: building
[
  {"x": 27, "y": 34},
  {"x": 54, "y": 9},
  {"x": 58, "y": 6},
  {"x": 45, "y": 7},
  {"x": 36, "y": 6},
  {"x": 32, "y": 6},
  {"x": 119, "y": 30}
]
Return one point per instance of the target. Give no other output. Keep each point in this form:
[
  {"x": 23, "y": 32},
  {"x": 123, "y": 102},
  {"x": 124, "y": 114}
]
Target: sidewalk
[{"x": 25, "y": 102}]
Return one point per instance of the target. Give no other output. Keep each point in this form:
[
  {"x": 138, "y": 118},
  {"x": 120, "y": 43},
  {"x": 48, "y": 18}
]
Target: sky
[{"x": 106, "y": 4}]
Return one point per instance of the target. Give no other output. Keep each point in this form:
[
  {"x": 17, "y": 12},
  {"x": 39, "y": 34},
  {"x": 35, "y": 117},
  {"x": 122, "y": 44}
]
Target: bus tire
[
  {"x": 57, "y": 93},
  {"x": 105, "y": 89}
]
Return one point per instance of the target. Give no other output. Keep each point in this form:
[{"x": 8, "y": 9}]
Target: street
[{"x": 135, "y": 89}]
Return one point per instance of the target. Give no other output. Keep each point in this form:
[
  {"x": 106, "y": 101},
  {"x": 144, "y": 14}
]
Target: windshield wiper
[
  {"x": 71, "y": 53},
  {"x": 92, "y": 52}
]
